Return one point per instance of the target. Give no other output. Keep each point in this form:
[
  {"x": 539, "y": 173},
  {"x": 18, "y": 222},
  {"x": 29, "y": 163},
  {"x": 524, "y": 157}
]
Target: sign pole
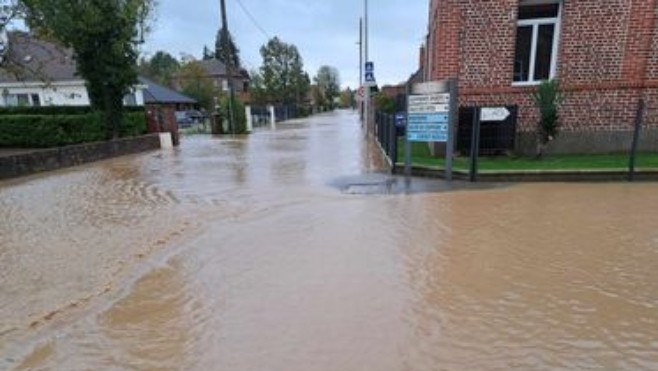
[
  {"x": 452, "y": 125},
  {"x": 475, "y": 144},
  {"x": 407, "y": 143}
]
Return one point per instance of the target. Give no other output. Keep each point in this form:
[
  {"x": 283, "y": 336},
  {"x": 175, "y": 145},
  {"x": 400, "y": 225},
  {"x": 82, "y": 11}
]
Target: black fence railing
[
  {"x": 287, "y": 112},
  {"x": 387, "y": 132},
  {"x": 260, "y": 116},
  {"x": 620, "y": 140}
]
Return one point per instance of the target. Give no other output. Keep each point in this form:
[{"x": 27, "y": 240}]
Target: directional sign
[
  {"x": 494, "y": 114},
  {"x": 428, "y": 118},
  {"x": 429, "y": 99}
]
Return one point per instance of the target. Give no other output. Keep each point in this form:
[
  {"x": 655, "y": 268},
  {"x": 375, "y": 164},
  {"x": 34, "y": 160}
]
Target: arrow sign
[{"x": 494, "y": 114}]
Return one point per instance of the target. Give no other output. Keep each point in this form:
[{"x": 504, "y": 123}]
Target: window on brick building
[{"x": 537, "y": 34}]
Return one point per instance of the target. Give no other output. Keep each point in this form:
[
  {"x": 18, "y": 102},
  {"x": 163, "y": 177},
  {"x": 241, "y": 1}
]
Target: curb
[{"x": 519, "y": 176}]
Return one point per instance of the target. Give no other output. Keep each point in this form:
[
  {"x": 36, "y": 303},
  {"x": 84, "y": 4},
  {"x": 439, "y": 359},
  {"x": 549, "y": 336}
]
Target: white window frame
[{"x": 535, "y": 23}]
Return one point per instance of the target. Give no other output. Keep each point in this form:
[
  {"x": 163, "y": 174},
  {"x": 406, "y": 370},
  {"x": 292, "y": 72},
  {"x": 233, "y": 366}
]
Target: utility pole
[
  {"x": 361, "y": 64},
  {"x": 229, "y": 66},
  {"x": 367, "y": 88},
  {"x": 360, "y": 51}
]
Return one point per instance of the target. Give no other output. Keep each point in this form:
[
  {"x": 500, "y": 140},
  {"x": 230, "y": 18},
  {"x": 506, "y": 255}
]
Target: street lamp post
[
  {"x": 366, "y": 108},
  {"x": 228, "y": 55}
]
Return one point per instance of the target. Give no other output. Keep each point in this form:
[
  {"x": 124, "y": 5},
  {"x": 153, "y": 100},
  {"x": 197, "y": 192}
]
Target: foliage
[
  {"x": 48, "y": 130},
  {"x": 195, "y": 84},
  {"x": 283, "y": 77},
  {"x": 328, "y": 83},
  {"x": 238, "y": 113},
  {"x": 160, "y": 68},
  {"x": 207, "y": 54},
  {"x": 220, "y": 53},
  {"x": 347, "y": 99},
  {"x": 384, "y": 103},
  {"x": 58, "y": 110},
  {"x": 257, "y": 89},
  {"x": 104, "y": 36},
  {"x": 548, "y": 99}
]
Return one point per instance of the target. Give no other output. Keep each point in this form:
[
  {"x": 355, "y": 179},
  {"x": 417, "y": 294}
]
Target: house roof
[
  {"x": 155, "y": 93},
  {"x": 215, "y": 67},
  {"x": 29, "y": 59}
]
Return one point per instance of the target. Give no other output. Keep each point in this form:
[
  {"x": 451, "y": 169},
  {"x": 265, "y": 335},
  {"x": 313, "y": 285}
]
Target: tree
[
  {"x": 384, "y": 103},
  {"x": 548, "y": 100},
  {"x": 328, "y": 82},
  {"x": 282, "y": 72},
  {"x": 161, "y": 68},
  {"x": 347, "y": 99},
  {"x": 234, "y": 52},
  {"x": 104, "y": 36},
  {"x": 207, "y": 54},
  {"x": 257, "y": 88},
  {"x": 195, "y": 84}
]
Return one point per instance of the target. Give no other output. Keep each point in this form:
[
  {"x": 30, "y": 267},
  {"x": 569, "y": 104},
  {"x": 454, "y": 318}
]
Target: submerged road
[{"x": 287, "y": 250}]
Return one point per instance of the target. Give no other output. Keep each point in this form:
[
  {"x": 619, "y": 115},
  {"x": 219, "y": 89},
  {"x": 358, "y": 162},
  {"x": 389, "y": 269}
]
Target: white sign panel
[{"x": 494, "y": 114}]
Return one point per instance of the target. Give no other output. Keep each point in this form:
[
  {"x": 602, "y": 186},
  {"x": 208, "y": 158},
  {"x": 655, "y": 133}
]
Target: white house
[{"x": 35, "y": 72}]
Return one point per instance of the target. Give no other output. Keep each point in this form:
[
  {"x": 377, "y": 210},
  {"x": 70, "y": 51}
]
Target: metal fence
[
  {"x": 387, "y": 132},
  {"x": 260, "y": 116},
  {"x": 287, "y": 112},
  {"x": 617, "y": 139}
]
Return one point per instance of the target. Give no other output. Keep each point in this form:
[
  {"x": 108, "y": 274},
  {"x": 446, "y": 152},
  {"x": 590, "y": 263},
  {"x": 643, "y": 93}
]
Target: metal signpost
[
  {"x": 369, "y": 81},
  {"x": 431, "y": 117}
]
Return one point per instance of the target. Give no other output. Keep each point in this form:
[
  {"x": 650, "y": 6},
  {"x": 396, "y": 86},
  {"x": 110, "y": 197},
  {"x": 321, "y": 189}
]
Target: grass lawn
[{"x": 421, "y": 156}]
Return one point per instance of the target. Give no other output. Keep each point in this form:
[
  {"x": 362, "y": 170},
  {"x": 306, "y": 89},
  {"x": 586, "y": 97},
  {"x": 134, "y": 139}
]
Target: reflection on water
[{"x": 243, "y": 255}]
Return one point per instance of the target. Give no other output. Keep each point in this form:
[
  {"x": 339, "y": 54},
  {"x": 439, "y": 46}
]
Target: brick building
[{"x": 604, "y": 53}]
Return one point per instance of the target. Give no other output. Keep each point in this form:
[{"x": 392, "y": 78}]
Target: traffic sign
[
  {"x": 432, "y": 115},
  {"x": 370, "y": 67},
  {"x": 494, "y": 114},
  {"x": 370, "y": 77},
  {"x": 428, "y": 118}
]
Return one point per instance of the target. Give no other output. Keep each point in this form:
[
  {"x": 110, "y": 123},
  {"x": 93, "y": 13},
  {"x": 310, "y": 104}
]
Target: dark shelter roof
[{"x": 155, "y": 93}]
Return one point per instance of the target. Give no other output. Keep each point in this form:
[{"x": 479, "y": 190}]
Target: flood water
[{"x": 287, "y": 251}]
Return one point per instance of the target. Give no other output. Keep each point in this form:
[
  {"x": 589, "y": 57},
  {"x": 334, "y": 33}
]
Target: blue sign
[
  {"x": 370, "y": 77},
  {"x": 370, "y": 67},
  {"x": 400, "y": 119},
  {"x": 428, "y": 121}
]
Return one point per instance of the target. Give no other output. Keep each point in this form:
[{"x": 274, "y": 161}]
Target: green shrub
[
  {"x": 58, "y": 110},
  {"x": 548, "y": 100},
  {"x": 43, "y": 131},
  {"x": 239, "y": 114}
]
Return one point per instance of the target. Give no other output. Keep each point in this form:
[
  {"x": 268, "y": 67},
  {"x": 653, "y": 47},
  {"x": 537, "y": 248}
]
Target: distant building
[
  {"x": 604, "y": 53},
  {"x": 215, "y": 71},
  {"x": 36, "y": 72}
]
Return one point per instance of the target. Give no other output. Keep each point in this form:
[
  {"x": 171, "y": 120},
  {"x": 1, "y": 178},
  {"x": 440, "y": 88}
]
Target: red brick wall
[{"x": 608, "y": 58}]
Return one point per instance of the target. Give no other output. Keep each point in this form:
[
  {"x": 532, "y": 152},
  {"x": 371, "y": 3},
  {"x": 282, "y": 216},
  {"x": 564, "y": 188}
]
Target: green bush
[
  {"x": 43, "y": 131},
  {"x": 58, "y": 110},
  {"x": 239, "y": 114}
]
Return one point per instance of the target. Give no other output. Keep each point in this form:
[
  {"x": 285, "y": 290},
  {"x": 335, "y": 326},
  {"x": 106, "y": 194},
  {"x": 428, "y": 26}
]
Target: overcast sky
[{"x": 325, "y": 32}]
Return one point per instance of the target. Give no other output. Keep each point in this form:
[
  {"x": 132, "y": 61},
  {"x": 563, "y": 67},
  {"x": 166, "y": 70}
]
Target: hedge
[
  {"x": 58, "y": 110},
  {"x": 43, "y": 131}
]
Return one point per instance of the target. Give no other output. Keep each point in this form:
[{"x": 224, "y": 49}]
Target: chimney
[{"x": 422, "y": 56}]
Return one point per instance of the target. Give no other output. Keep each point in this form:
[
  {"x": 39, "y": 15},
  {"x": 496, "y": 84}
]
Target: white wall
[
  {"x": 65, "y": 96},
  {"x": 73, "y": 93}
]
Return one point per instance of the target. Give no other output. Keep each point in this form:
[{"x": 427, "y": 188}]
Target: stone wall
[{"x": 57, "y": 158}]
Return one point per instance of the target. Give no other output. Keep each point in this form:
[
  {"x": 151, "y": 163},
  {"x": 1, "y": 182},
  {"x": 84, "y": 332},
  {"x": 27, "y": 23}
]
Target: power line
[{"x": 253, "y": 19}]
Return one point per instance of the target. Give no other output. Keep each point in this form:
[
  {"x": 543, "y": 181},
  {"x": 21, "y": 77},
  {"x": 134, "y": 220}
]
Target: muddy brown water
[{"x": 253, "y": 254}]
